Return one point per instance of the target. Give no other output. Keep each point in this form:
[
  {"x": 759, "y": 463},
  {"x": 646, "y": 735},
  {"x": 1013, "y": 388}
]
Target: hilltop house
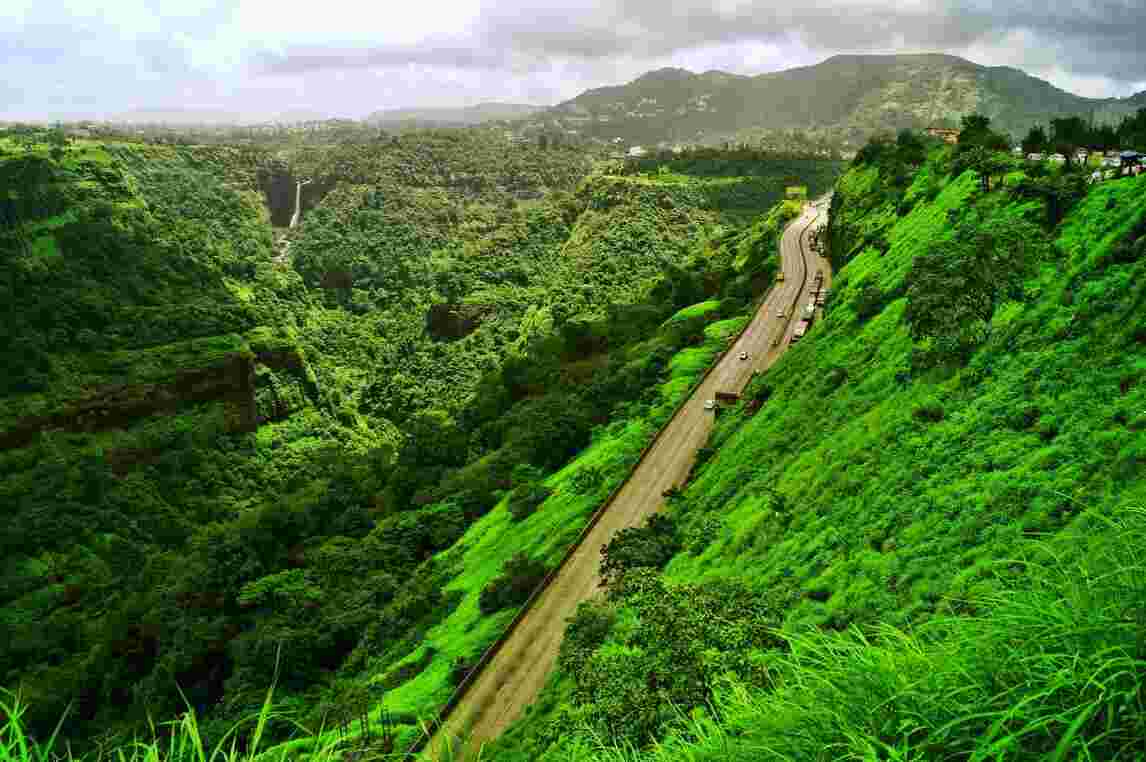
[
  {"x": 946, "y": 134},
  {"x": 637, "y": 152}
]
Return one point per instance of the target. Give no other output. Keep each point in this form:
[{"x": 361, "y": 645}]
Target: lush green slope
[
  {"x": 222, "y": 463},
  {"x": 881, "y": 484}
]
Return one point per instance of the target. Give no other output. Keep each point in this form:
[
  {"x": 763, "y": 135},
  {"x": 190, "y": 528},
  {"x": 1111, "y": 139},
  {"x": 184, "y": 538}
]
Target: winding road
[{"x": 514, "y": 677}]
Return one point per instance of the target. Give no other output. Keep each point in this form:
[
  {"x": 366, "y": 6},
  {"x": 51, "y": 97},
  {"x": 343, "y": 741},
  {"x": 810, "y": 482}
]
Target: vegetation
[
  {"x": 347, "y": 464},
  {"x": 837, "y": 104},
  {"x": 229, "y": 454},
  {"x": 1068, "y": 134},
  {"x": 938, "y": 552}
]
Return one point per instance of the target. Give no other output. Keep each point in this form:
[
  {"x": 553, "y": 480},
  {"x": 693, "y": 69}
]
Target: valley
[{"x": 459, "y": 442}]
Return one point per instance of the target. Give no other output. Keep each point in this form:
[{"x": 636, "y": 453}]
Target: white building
[{"x": 637, "y": 151}]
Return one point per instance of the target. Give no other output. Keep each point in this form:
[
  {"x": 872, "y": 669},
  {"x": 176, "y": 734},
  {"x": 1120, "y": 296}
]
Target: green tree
[
  {"x": 954, "y": 289},
  {"x": 1035, "y": 141}
]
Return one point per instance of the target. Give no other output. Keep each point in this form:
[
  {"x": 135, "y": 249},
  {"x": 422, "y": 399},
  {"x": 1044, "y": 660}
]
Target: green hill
[
  {"x": 914, "y": 538},
  {"x": 844, "y": 98}
]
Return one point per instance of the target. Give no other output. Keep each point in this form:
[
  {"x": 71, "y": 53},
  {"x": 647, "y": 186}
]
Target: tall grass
[
  {"x": 181, "y": 742},
  {"x": 1052, "y": 670}
]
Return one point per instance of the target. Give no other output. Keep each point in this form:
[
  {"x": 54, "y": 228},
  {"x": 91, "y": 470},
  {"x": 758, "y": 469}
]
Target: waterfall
[{"x": 297, "y": 202}]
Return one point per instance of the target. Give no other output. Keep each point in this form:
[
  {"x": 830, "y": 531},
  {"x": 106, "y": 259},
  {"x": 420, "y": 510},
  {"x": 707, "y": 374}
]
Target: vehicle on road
[
  {"x": 801, "y": 329},
  {"x": 781, "y": 314},
  {"x": 727, "y": 396},
  {"x": 710, "y": 404},
  {"x": 780, "y": 277},
  {"x": 743, "y": 355}
]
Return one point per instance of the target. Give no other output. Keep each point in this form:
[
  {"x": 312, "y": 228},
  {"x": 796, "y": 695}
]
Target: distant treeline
[{"x": 1068, "y": 134}]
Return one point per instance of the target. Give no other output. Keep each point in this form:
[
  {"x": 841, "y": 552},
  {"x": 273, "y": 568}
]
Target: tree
[
  {"x": 651, "y": 546},
  {"x": 520, "y": 577},
  {"x": 1035, "y": 141},
  {"x": 984, "y": 161},
  {"x": 954, "y": 289},
  {"x": 977, "y": 133}
]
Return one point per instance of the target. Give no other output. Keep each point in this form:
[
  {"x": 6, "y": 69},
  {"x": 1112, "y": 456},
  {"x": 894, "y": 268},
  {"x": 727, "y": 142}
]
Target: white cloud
[{"x": 349, "y": 57}]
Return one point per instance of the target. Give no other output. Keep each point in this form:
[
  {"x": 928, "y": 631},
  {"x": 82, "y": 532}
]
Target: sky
[{"x": 257, "y": 59}]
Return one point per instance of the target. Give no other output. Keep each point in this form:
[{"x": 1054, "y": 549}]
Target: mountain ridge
[
  {"x": 464, "y": 116},
  {"x": 845, "y": 99}
]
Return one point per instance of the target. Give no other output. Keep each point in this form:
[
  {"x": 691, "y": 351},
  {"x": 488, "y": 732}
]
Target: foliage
[
  {"x": 519, "y": 579},
  {"x": 306, "y": 470},
  {"x": 917, "y": 499},
  {"x": 525, "y": 499},
  {"x": 651, "y": 546},
  {"x": 954, "y": 290}
]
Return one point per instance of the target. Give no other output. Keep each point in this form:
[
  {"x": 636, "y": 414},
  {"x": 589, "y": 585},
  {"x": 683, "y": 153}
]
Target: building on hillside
[
  {"x": 1057, "y": 158},
  {"x": 1017, "y": 151},
  {"x": 946, "y": 134},
  {"x": 1130, "y": 159},
  {"x": 637, "y": 152},
  {"x": 1036, "y": 157}
]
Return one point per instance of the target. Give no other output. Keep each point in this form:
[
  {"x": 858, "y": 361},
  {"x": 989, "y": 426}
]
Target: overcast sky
[{"x": 71, "y": 58}]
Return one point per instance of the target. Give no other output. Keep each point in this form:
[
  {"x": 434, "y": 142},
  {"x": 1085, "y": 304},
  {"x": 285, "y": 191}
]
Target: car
[
  {"x": 781, "y": 314},
  {"x": 710, "y": 404},
  {"x": 780, "y": 277},
  {"x": 743, "y": 355}
]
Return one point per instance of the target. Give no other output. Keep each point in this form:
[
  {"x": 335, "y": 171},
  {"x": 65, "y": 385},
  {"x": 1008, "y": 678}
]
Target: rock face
[
  {"x": 279, "y": 186},
  {"x": 117, "y": 406},
  {"x": 448, "y": 321}
]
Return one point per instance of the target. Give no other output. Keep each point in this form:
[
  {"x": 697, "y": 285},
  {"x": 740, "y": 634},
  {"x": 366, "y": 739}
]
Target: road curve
[{"x": 514, "y": 677}]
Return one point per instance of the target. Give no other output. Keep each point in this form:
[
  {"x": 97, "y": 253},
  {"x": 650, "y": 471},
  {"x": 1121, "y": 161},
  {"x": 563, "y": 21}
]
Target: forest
[
  {"x": 228, "y": 464},
  {"x": 297, "y": 497}
]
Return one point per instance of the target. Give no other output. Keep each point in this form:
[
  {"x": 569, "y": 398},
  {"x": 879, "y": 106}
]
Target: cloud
[{"x": 347, "y": 57}]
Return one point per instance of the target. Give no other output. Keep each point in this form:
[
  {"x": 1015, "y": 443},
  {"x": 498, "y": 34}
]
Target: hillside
[
  {"x": 221, "y": 458},
  {"x": 451, "y": 117},
  {"x": 844, "y": 98},
  {"x": 920, "y": 534}
]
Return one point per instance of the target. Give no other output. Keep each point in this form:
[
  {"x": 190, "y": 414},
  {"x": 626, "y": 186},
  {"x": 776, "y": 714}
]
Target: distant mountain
[
  {"x": 846, "y": 97},
  {"x": 453, "y": 117},
  {"x": 176, "y": 116},
  {"x": 214, "y": 117}
]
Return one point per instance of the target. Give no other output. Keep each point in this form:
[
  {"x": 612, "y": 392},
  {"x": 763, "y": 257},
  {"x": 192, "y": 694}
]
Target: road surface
[{"x": 514, "y": 677}]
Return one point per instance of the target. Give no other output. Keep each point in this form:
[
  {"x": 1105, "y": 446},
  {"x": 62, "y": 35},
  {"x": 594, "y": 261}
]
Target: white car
[
  {"x": 743, "y": 355},
  {"x": 710, "y": 404},
  {"x": 781, "y": 314}
]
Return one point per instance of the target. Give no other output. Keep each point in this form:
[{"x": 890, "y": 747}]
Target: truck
[
  {"x": 801, "y": 329},
  {"x": 726, "y": 396}
]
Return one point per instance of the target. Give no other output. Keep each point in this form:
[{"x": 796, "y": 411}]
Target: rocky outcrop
[
  {"x": 117, "y": 406},
  {"x": 453, "y": 321}
]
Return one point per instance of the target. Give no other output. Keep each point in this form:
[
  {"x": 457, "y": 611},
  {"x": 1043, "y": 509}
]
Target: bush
[
  {"x": 586, "y": 631},
  {"x": 525, "y": 499},
  {"x": 518, "y": 580},
  {"x": 651, "y": 546}
]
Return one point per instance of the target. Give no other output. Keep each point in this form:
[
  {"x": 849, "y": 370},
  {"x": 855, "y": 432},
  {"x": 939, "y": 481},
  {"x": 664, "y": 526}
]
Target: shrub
[
  {"x": 518, "y": 580},
  {"x": 586, "y": 631},
  {"x": 525, "y": 499},
  {"x": 651, "y": 546}
]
